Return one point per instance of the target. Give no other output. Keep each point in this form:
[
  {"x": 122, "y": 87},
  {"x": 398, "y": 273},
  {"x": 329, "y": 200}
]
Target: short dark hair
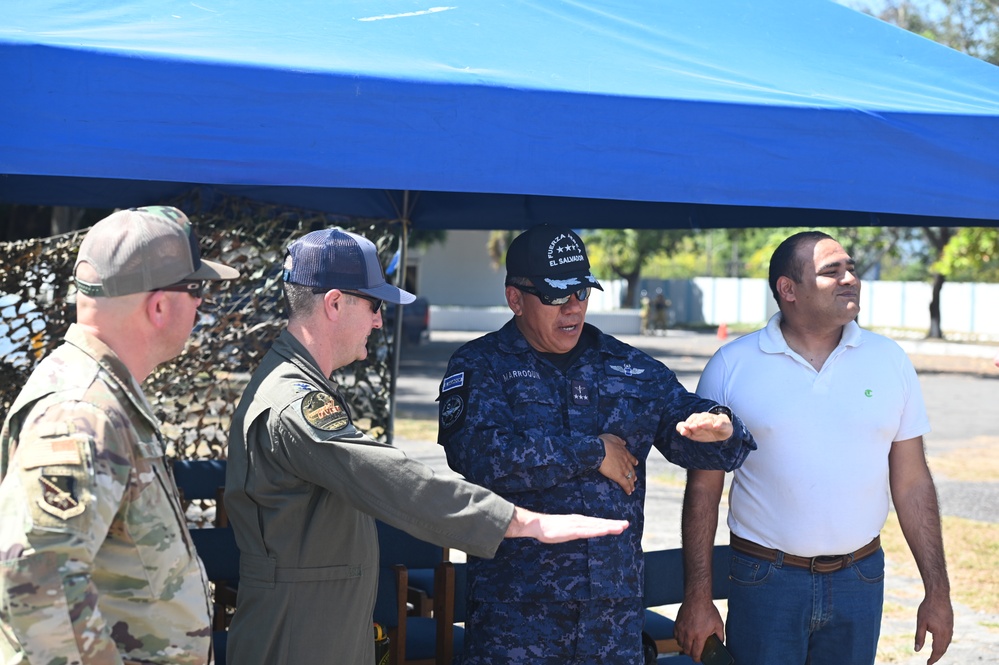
[
  {"x": 299, "y": 300},
  {"x": 785, "y": 261}
]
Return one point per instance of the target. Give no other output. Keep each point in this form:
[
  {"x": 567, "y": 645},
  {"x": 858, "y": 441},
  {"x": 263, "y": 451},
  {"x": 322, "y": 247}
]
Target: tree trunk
[
  {"x": 935, "y": 331},
  {"x": 938, "y": 238},
  {"x": 631, "y": 291}
]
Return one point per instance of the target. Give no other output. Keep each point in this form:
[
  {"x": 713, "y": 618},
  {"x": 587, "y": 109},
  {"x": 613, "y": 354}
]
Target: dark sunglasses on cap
[
  {"x": 376, "y": 303},
  {"x": 191, "y": 288},
  {"x": 581, "y": 295}
]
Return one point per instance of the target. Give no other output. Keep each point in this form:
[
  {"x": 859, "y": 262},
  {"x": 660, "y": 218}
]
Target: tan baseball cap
[{"x": 144, "y": 249}]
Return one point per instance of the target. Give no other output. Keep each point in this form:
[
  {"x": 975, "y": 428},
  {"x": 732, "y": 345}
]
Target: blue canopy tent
[{"x": 500, "y": 113}]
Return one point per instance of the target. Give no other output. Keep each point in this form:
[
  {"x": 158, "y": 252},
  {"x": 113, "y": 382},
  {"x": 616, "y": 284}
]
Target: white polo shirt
[{"x": 818, "y": 484}]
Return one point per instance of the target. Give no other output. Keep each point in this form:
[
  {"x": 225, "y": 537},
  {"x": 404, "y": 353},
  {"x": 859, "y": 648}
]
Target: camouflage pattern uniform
[
  {"x": 96, "y": 564},
  {"x": 303, "y": 489},
  {"x": 513, "y": 422}
]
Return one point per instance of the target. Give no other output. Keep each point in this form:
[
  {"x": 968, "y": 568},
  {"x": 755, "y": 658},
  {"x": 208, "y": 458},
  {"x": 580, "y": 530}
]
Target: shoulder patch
[
  {"x": 59, "y": 496},
  {"x": 64, "y": 450},
  {"x": 453, "y": 381},
  {"x": 452, "y": 410},
  {"x": 324, "y": 412}
]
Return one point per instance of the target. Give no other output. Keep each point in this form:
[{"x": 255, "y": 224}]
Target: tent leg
[{"x": 397, "y": 334}]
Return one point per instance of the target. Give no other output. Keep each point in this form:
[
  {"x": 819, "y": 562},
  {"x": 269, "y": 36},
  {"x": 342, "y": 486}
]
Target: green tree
[
  {"x": 623, "y": 253},
  {"x": 971, "y": 255}
]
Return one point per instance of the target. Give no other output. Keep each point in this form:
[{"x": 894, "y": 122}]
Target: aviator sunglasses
[{"x": 581, "y": 295}]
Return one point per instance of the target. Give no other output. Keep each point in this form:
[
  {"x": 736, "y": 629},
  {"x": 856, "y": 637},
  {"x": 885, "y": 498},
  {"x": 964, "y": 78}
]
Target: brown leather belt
[{"x": 815, "y": 564}]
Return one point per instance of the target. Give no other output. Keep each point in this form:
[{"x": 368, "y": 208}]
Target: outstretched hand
[
  {"x": 706, "y": 427},
  {"x": 560, "y": 528}
]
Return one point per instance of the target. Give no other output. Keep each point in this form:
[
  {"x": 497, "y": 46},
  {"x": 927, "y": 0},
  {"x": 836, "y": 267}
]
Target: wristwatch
[{"x": 723, "y": 410}]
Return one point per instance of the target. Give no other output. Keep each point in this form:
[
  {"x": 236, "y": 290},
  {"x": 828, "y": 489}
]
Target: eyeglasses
[
  {"x": 581, "y": 295},
  {"x": 376, "y": 303},
  {"x": 192, "y": 288}
]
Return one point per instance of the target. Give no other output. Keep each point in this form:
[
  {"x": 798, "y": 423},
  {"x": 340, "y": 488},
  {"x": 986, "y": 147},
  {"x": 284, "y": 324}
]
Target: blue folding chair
[{"x": 204, "y": 480}]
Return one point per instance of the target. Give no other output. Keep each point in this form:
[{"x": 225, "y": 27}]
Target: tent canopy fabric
[{"x": 500, "y": 113}]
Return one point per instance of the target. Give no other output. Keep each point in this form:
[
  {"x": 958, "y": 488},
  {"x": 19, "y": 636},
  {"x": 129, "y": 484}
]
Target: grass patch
[
  {"x": 975, "y": 464},
  {"x": 896, "y": 647},
  {"x": 413, "y": 429},
  {"x": 972, "y": 549}
]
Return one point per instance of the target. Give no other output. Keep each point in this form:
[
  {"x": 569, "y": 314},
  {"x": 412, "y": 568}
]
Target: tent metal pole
[{"x": 400, "y": 281}]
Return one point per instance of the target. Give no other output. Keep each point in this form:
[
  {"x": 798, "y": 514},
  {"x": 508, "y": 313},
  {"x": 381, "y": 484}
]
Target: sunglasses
[
  {"x": 581, "y": 295},
  {"x": 376, "y": 303},
  {"x": 194, "y": 289}
]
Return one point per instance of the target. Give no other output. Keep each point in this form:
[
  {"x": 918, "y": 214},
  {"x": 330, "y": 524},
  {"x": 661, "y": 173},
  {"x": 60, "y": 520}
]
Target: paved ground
[{"x": 960, "y": 386}]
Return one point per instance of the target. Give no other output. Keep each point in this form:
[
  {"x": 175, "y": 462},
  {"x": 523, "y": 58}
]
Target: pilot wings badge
[{"x": 627, "y": 369}]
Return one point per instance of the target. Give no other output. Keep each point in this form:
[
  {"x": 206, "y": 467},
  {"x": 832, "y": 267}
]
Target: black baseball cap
[{"x": 553, "y": 258}]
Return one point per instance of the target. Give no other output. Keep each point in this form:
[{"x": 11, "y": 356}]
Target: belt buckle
[{"x": 824, "y": 559}]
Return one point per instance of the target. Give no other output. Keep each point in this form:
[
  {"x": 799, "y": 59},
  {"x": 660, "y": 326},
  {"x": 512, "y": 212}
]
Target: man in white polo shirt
[{"x": 838, "y": 415}]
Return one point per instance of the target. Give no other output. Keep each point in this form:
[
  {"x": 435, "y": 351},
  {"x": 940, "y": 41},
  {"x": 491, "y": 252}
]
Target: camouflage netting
[{"x": 196, "y": 394}]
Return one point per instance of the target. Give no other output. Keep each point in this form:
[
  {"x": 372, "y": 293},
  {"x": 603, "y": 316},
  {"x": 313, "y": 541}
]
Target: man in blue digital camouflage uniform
[{"x": 556, "y": 416}]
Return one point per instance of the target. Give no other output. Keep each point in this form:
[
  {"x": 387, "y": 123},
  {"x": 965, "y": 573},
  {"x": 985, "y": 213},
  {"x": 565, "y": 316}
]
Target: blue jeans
[{"x": 786, "y": 615}]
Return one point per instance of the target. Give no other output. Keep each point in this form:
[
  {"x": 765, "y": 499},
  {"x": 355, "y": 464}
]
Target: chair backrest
[
  {"x": 664, "y": 575},
  {"x": 202, "y": 480},
  {"x": 199, "y": 479},
  {"x": 397, "y": 546},
  {"x": 217, "y": 549}
]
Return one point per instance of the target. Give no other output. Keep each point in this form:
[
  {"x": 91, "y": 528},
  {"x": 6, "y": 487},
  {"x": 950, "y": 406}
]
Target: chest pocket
[
  {"x": 629, "y": 395},
  {"x": 148, "y": 540},
  {"x": 533, "y": 404}
]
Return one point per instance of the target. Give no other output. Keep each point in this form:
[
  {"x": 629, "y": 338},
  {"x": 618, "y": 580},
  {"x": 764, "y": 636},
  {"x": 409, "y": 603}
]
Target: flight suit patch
[{"x": 324, "y": 412}]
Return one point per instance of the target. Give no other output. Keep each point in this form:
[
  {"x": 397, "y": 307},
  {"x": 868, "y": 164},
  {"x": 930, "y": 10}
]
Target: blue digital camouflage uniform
[
  {"x": 514, "y": 423},
  {"x": 96, "y": 563}
]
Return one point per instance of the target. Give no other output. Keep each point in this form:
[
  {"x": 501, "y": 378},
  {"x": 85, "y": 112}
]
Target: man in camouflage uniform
[
  {"x": 96, "y": 564},
  {"x": 553, "y": 414},
  {"x": 304, "y": 486}
]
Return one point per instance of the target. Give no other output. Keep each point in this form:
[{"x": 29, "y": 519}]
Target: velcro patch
[
  {"x": 324, "y": 412},
  {"x": 51, "y": 452},
  {"x": 58, "y": 496},
  {"x": 452, "y": 411},
  {"x": 453, "y": 381}
]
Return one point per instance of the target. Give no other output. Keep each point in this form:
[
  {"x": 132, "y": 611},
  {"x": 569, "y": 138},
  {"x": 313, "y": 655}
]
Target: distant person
[
  {"x": 660, "y": 312},
  {"x": 646, "y": 306},
  {"x": 304, "y": 486},
  {"x": 557, "y": 416},
  {"x": 98, "y": 566},
  {"x": 839, "y": 418}
]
